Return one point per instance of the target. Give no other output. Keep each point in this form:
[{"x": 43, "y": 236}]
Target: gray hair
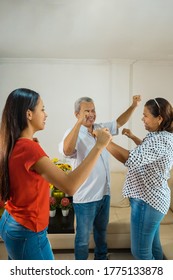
[{"x": 79, "y": 101}]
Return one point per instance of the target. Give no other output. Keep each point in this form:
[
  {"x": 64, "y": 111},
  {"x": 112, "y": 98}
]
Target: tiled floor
[{"x": 68, "y": 254}]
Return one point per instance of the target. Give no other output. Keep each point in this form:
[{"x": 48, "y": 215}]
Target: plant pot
[
  {"x": 58, "y": 195},
  {"x": 52, "y": 213},
  {"x": 65, "y": 212}
]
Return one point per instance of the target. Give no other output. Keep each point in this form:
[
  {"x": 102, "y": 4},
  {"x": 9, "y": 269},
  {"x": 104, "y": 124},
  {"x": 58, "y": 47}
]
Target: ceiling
[{"x": 86, "y": 29}]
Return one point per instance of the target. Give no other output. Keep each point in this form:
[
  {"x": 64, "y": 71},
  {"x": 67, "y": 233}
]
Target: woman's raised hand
[{"x": 103, "y": 136}]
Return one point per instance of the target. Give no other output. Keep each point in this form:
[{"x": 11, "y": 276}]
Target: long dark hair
[
  {"x": 13, "y": 122},
  {"x": 160, "y": 106}
]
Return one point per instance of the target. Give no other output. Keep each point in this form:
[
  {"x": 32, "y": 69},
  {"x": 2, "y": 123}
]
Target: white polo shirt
[{"x": 98, "y": 183}]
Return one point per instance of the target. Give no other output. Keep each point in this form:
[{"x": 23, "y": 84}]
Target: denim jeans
[
  {"x": 22, "y": 243},
  {"x": 91, "y": 216},
  {"x": 145, "y": 226}
]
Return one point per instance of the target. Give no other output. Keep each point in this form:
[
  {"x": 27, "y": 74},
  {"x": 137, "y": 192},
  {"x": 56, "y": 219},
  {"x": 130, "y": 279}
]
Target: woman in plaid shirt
[{"x": 149, "y": 166}]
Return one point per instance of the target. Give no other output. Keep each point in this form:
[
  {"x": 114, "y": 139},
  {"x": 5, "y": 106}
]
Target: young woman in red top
[{"x": 25, "y": 174}]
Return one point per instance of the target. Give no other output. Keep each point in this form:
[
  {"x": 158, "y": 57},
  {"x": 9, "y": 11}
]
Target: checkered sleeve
[{"x": 150, "y": 150}]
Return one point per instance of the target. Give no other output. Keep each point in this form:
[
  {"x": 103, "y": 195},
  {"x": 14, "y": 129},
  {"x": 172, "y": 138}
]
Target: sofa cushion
[
  {"x": 168, "y": 219},
  {"x": 119, "y": 220},
  {"x": 166, "y": 236},
  {"x": 117, "y": 181}
]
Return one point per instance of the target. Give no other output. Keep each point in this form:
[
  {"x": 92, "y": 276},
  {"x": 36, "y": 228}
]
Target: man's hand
[
  {"x": 82, "y": 115},
  {"x": 124, "y": 117},
  {"x": 136, "y": 100}
]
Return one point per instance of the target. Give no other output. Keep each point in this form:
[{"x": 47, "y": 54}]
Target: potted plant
[
  {"x": 53, "y": 206},
  {"x": 64, "y": 167},
  {"x": 65, "y": 206}
]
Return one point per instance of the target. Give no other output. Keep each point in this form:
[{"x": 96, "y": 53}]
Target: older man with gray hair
[{"x": 92, "y": 200}]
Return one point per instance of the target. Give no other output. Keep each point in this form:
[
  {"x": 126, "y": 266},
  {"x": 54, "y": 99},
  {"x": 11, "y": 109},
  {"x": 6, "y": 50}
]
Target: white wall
[
  {"x": 152, "y": 79},
  {"x": 110, "y": 83}
]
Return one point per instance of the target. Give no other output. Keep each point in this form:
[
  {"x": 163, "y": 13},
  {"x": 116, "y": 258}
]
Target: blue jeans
[
  {"x": 145, "y": 226},
  {"x": 22, "y": 243},
  {"x": 91, "y": 216}
]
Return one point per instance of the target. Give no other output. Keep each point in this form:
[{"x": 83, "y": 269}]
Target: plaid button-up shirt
[{"x": 149, "y": 166}]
